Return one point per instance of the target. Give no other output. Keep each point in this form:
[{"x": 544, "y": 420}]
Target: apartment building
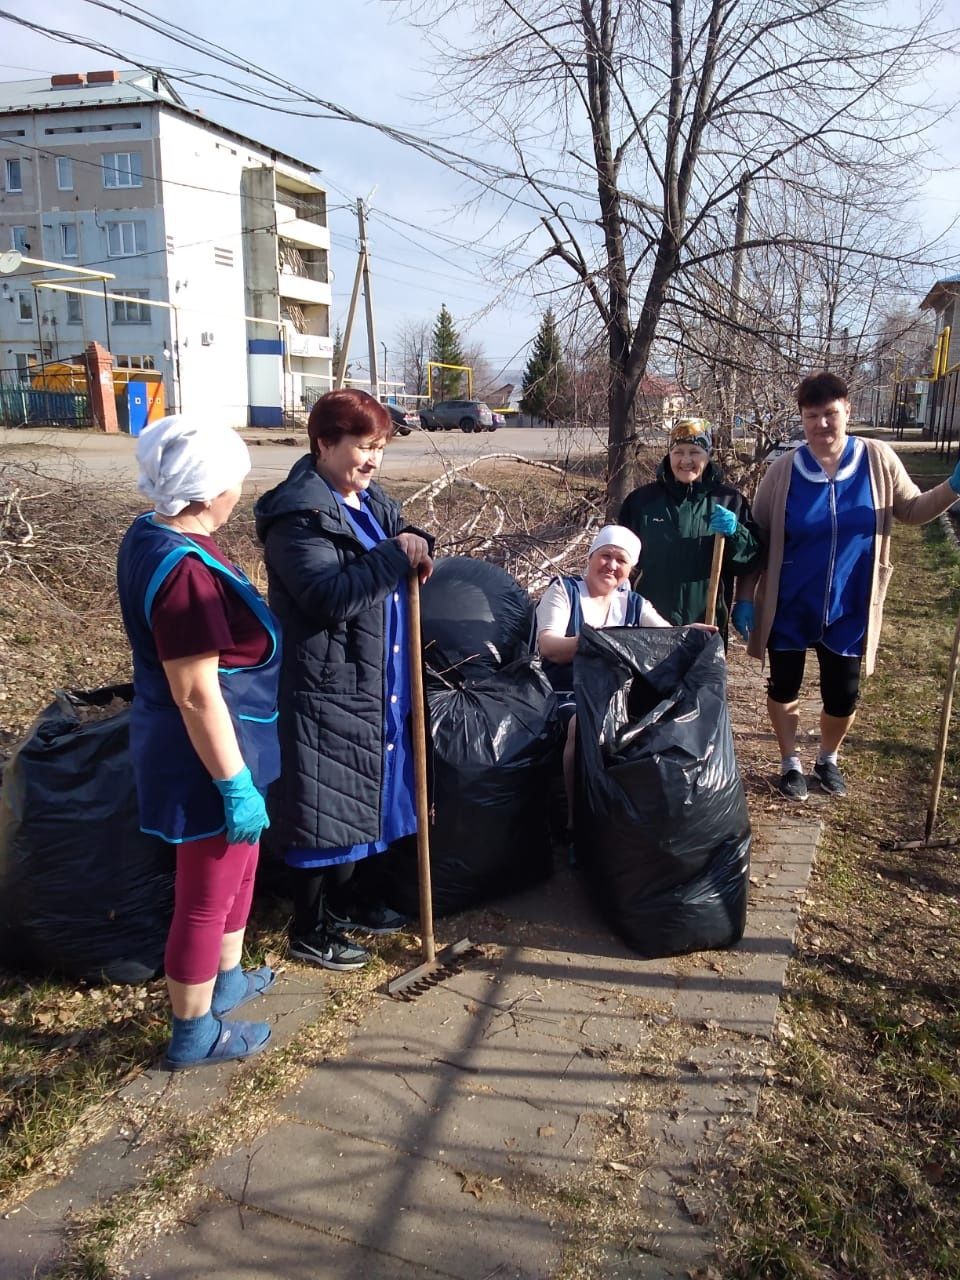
[{"x": 217, "y": 244}]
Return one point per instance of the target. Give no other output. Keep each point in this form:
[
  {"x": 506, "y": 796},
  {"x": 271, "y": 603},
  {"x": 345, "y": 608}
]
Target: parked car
[
  {"x": 430, "y": 422},
  {"x": 468, "y": 415},
  {"x": 780, "y": 448},
  {"x": 404, "y": 420}
]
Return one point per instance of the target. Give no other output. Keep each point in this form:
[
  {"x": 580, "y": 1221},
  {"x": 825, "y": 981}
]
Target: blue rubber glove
[
  {"x": 742, "y": 617},
  {"x": 954, "y": 481},
  {"x": 723, "y": 521},
  {"x": 243, "y": 806}
]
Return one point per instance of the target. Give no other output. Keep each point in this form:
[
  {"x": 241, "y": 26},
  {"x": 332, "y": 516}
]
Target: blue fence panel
[{"x": 21, "y": 407}]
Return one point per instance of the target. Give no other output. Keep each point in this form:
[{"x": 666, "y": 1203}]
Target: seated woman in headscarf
[
  {"x": 600, "y": 598},
  {"x": 203, "y": 737}
]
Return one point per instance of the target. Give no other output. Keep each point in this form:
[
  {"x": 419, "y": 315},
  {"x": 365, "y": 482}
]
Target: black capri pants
[{"x": 839, "y": 678}]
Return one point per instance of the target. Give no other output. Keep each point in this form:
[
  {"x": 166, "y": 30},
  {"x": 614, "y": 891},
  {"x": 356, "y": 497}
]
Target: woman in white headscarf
[
  {"x": 203, "y": 739},
  {"x": 600, "y": 598}
]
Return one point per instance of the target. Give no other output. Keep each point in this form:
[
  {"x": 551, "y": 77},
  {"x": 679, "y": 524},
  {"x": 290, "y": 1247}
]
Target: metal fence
[
  {"x": 24, "y": 407},
  {"x": 943, "y": 412}
]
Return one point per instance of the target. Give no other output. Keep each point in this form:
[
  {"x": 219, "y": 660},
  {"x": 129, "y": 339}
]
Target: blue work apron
[{"x": 176, "y": 796}]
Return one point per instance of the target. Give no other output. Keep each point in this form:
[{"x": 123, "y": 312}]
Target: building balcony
[
  {"x": 303, "y": 289},
  {"x": 293, "y": 226},
  {"x": 308, "y": 346}
]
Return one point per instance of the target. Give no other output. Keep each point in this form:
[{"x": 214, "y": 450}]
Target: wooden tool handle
[
  {"x": 714, "y": 586},
  {"x": 944, "y": 732},
  {"x": 418, "y": 733}
]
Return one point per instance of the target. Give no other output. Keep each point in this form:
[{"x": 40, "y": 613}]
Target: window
[
  {"x": 68, "y": 239},
  {"x": 25, "y": 304},
  {"x": 24, "y": 361},
  {"x": 135, "y": 362},
  {"x": 64, "y": 173},
  {"x": 131, "y": 312},
  {"x": 74, "y": 309},
  {"x": 123, "y": 169},
  {"x": 14, "y": 175},
  {"x": 124, "y": 239},
  {"x": 18, "y": 239}
]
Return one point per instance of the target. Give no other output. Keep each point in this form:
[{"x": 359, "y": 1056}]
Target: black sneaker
[
  {"x": 375, "y": 919},
  {"x": 793, "y": 785},
  {"x": 329, "y": 950},
  {"x": 830, "y": 778}
]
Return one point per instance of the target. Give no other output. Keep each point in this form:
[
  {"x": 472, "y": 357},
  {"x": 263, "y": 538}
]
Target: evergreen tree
[
  {"x": 338, "y": 355},
  {"x": 546, "y": 383},
  {"x": 445, "y": 347}
]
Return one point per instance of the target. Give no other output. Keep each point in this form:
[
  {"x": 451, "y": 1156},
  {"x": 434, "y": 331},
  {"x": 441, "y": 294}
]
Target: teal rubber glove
[
  {"x": 243, "y": 806},
  {"x": 743, "y": 618},
  {"x": 723, "y": 521},
  {"x": 954, "y": 481}
]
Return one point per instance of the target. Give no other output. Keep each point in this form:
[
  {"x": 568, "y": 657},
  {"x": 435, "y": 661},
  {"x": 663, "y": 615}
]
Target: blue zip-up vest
[
  {"x": 176, "y": 796},
  {"x": 825, "y": 581},
  {"x": 560, "y": 674}
]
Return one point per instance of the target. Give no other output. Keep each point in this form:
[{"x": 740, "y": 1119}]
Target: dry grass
[{"x": 854, "y": 1170}]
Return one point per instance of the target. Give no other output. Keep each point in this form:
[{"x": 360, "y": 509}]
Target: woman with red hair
[{"x": 338, "y": 555}]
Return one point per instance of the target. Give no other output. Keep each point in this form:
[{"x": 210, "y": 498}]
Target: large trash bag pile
[
  {"x": 494, "y": 743},
  {"x": 83, "y": 892},
  {"x": 662, "y": 831}
]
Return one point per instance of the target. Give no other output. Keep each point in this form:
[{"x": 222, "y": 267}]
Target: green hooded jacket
[{"x": 671, "y": 520}]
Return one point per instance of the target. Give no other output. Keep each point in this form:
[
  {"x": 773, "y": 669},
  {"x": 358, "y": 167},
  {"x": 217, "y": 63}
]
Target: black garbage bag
[
  {"x": 474, "y": 616},
  {"x": 83, "y": 892},
  {"x": 662, "y": 830},
  {"x": 494, "y": 748}
]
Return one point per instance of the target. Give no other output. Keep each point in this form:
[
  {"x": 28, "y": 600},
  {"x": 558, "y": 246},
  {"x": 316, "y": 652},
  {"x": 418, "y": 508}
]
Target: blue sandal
[
  {"x": 236, "y": 1040},
  {"x": 258, "y": 981}
]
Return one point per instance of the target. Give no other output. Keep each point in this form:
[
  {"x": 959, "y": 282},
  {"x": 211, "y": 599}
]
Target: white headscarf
[
  {"x": 617, "y": 535},
  {"x": 184, "y": 460}
]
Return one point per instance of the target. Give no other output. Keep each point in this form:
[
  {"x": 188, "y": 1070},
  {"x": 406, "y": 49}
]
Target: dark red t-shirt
[{"x": 196, "y": 612}]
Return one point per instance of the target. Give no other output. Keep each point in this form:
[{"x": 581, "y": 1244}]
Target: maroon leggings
[{"x": 212, "y": 895}]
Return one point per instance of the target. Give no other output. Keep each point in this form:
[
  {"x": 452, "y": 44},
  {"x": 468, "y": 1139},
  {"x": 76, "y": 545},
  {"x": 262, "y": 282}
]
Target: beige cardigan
[{"x": 894, "y": 494}]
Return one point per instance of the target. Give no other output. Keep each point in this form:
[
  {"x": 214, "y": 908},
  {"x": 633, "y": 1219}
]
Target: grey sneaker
[
  {"x": 376, "y": 919},
  {"x": 830, "y": 778},
  {"x": 329, "y": 950},
  {"x": 793, "y": 785}
]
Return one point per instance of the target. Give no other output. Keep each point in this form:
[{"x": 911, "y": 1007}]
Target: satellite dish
[{"x": 10, "y": 261}]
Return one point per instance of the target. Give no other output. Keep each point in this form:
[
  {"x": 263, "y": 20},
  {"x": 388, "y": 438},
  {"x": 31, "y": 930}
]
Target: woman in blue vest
[
  {"x": 601, "y": 598},
  {"x": 338, "y": 557},
  {"x": 203, "y": 738}
]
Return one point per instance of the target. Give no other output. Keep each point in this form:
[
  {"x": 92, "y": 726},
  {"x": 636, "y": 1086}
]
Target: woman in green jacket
[{"x": 676, "y": 518}]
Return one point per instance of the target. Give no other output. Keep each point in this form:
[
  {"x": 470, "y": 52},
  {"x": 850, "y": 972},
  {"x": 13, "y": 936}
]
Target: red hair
[{"x": 347, "y": 412}]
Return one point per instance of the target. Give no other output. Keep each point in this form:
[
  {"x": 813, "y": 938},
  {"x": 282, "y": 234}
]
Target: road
[{"x": 91, "y": 455}]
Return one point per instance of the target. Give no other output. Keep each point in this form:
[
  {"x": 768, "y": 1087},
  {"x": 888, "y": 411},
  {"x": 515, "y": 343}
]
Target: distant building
[
  {"x": 937, "y": 410},
  {"x": 659, "y": 402},
  {"x": 113, "y": 171}
]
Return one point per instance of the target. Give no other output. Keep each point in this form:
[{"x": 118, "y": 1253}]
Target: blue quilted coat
[{"x": 328, "y": 594}]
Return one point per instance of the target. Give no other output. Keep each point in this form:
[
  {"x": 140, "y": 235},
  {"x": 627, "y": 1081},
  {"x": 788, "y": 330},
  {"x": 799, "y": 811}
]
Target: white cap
[
  {"x": 184, "y": 460},
  {"x": 617, "y": 535}
]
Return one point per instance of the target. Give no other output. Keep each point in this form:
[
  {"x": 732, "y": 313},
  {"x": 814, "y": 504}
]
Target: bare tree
[
  {"x": 412, "y": 340},
  {"x": 632, "y": 123}
]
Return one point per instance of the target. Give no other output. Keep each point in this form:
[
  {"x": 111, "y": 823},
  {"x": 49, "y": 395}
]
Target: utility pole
[
  {"x": 362, "y": 274},
  {"x": 368, "y": 303},
  {"x": 340, "y": 373}
]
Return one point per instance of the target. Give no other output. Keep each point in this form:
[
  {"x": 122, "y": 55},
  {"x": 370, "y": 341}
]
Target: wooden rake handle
[
  {"x": 714, "y": 585},
  {"x": 418, "y": 734}
]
